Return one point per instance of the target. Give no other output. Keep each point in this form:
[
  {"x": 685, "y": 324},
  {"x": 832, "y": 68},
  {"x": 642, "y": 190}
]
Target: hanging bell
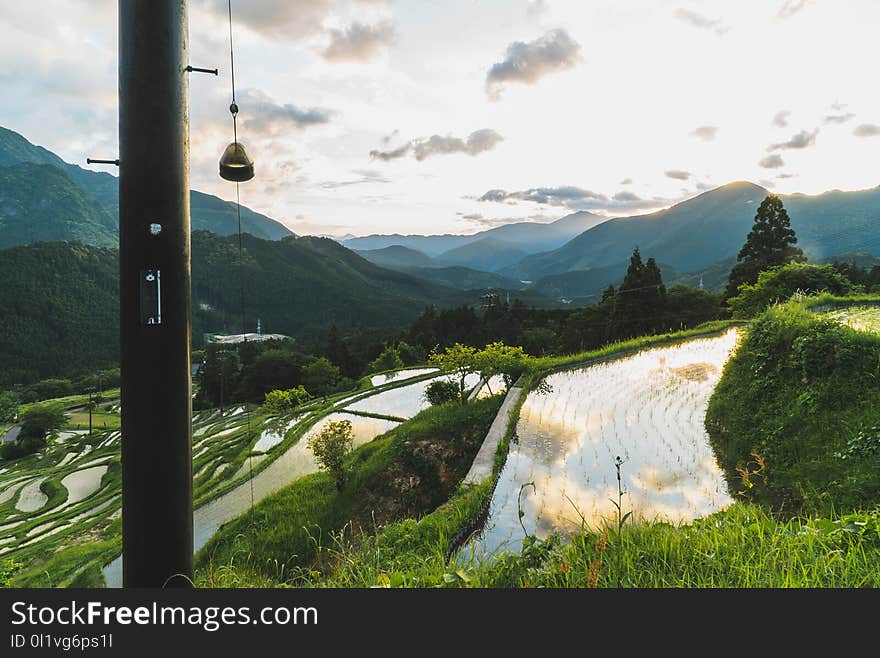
[{"x": 236, "y": 165}]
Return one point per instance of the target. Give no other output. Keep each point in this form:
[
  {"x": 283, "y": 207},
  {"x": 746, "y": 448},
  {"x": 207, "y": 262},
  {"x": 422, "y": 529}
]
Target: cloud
[
  {"x": 550, "y": 196},
  {"x": 399, "y": 152},
  {"x": 784, "y": 176},
  {"x": 279, "y": 19},
  {"x": 780, "y": 119},
  {"x": 700, "y": 21},
  {"x": 774, "y": 161},
  {"x": 358, "y": 42},
  {"x": 799, "y": 141},
  {"x": 839, "y": 118},
  {"x": 527, "y": 63},
  {"x": 365, "y": 176},
  {"x": 477, "y": 142},
  {"x": 678, "y": 174},
  {"x": 706, "y": 133},
  {"x": 626, "y": 181},
  {"x": 536, "y": 8},
  {"x": 791, "y": 7},
  {"x": 573, "y": 198},
  {"x": 386, "y": 140},
  {"x": 262, "y": 115},
  {"x": 867, "y": 130}
]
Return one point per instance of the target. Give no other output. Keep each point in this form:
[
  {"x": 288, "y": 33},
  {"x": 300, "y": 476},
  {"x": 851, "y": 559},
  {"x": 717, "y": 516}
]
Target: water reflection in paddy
[
  {"x": 649, "y": 409},
  {"x": 296, "y": 462},
  {"x": 405, "y": 401}
]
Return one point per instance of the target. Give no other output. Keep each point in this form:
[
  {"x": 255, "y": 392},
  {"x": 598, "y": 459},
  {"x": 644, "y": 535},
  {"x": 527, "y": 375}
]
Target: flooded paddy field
[{"x": 647, "y": 408}]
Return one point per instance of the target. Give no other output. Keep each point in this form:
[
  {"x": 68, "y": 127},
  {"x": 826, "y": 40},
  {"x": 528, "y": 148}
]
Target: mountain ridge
[{"x": 207, "y": 211}]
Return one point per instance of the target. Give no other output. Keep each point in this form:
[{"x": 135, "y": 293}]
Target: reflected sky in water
[{"x": 649, "y": 409}]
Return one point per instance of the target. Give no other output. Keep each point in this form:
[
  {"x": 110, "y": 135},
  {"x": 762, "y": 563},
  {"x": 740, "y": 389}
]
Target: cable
[{"x": 233, "y": 109}]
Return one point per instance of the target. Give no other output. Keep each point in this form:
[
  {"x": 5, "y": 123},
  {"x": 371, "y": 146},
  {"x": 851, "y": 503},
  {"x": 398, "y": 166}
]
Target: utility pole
[{"x": 154, "y": 261}]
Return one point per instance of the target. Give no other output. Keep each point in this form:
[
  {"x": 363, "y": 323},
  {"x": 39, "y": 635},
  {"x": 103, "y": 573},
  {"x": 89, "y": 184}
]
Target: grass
[
  {"x": 405, "y": 473},
  {"x": 742, "y": 547},
  {"x": 837, "y": 301},
  {"x": 79, "y": 420},
  {"x": 795, "y": 420},
  {"x": 545, "y": 365}
]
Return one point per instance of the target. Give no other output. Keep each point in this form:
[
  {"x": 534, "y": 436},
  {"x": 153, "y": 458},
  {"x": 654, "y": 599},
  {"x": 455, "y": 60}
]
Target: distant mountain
[
  {"x": 698, "y": 233},
  {"x": 207, "y": 212},
  {"x": 864, "y": 260},
  {"x": 488, "y": 254},
  {"x": 297, "y": 285},
  {"x": 463, "y": 278},
  {"x": 60, "y": 300},
  {"x": 39, "y": 202},
  {"x": 397, "y": 257},
  {"x": 530, "y": 237}
]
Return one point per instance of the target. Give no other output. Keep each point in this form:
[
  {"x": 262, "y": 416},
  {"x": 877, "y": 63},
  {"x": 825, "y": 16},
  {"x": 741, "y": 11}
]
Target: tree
[
  {"x": 330, "y": 446},
  {"x": 640, "y": 301},
  {"x": 284, "y": 402},
  {"x": 36, "y": 423},
  {"x": 458, "y": 361},
  {"x": 500, "y": 359},
  {"x": 389, "y": 359},
  {"x": 339, "y": 354},
  {"x": 769, "y": 244},
  {"x": 586, "y": 328},
  {"x": 688, "y": 307},
  {"x": 320, "y": 376},
  {"x": 780, "y": 283},
  {"x": 411, "y": 354},
  {"x": 41, "y": 419},
  {"x": 220, "y": 374},
  {"x": 441, "y": 391},
  {"x": 49, "y": 389},
  {"x": 8, "y": 406}
]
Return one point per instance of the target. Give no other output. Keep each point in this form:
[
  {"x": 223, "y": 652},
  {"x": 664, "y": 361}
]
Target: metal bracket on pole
[
  {"x": 196, "y": 69},
  {"x": 107, "y": 162}
]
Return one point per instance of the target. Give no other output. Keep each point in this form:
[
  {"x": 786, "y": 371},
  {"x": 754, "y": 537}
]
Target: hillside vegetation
[
  {"x": 66, "y": 202},
  {"x": 406, "y": 473},
  {"x": 795, "y": 420}
]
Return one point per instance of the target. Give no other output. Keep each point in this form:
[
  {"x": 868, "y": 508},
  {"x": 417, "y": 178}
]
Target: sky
[{"x": 436, "y": 116}]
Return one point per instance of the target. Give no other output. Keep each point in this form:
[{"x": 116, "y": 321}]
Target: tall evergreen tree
[
  {"x": 639, "y": 303},
  {"x": 339, "y": 354},
  {"x": 769, "y": 244}
]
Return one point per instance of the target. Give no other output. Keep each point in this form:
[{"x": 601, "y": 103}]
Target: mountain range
[
  {"x": 42, "y": 197},
  {"x": 488, "y": 250},
  {"x": 60, "y": 300}
]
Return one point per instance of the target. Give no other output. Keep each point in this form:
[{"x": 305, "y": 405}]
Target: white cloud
[{"x": 526, "y": 63}]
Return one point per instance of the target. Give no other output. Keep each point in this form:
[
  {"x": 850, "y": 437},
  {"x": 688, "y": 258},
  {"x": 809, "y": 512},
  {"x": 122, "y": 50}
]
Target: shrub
[
  {"x": 781, "y": 283},
  {"x": 388, "y": 360},
  {"x": 330, "y": 446},
  {"x": 284, "y": 402},
  {"x": 441, "y": 391}
]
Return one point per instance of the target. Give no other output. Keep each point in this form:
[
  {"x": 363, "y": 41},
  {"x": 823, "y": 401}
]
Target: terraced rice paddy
[
  {"x": 64, "y": 495},
  {"x": 404, "y": 401},
  {"x": 863, "y": 318},
  {"x": 648, "y": 409},
  {"x": 399, "y": 375}
]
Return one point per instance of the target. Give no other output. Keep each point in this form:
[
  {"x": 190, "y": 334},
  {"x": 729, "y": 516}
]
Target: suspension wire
[{"x": 233, "y": 109}]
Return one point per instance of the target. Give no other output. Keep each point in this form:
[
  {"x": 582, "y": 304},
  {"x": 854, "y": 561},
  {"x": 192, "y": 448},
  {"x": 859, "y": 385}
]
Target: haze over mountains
[{"x": 508, "y": 242}]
